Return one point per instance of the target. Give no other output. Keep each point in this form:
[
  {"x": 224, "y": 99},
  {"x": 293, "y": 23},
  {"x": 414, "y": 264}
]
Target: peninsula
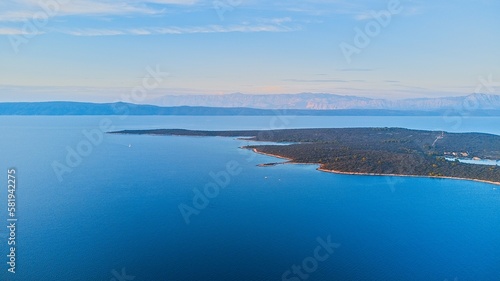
[{"x": 371, "y": 151}]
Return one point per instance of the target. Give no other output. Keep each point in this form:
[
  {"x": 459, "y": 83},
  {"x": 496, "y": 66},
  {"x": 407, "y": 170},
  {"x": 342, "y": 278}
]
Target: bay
[{"x": 117, "y": 210}]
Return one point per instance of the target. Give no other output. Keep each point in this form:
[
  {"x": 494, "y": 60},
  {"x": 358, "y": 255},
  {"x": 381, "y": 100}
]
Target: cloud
[
  {"x": 277, "y": 21},
  {"x": 364, "y": 16},
  {"x": 356, "y": 69},
  {"x": 327, "y": 7},
  {"x": 372, "y": 14},
  {"x": 316, "y": 80},
  {"x": 13, "y": 31},
  {"x": 33, "y": 11},
  {"x": 140, "y": 31},
  {"x": 27, "y": 9},
  {"x": 94, "y": 32},
  {"x": 175, "y": 2},
  {"x": 179, "y": 30}
]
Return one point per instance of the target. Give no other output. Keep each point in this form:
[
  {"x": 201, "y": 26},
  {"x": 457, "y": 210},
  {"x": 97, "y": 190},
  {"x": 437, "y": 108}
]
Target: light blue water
[
  {"x": 478, "y": 162},
  {"x": 119, "y": 208}
]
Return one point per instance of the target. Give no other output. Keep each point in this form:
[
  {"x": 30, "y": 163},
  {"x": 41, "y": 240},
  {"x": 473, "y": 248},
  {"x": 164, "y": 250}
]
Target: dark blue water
[{"x": 117, "y": 211}]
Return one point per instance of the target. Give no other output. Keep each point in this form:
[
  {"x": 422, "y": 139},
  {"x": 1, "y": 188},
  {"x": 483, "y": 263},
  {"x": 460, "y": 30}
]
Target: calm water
[{"x": 118, "y": 210}]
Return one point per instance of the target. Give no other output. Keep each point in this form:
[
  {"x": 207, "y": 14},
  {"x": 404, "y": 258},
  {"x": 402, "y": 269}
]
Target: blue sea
[{"x": 93, "y": 206}]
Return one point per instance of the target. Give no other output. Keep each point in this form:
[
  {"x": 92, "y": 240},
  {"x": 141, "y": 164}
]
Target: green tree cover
[{"x": 373, "y": 150}]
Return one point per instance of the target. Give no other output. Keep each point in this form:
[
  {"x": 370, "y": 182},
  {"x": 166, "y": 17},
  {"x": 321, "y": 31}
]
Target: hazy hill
[
  {"x": 255, "y": 105},
  {"x": 120, "y": 108},
  {"x": 329, "y": 101}
]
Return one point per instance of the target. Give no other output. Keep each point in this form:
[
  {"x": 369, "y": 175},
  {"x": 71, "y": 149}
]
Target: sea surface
[{"x": 113, "y": 211}]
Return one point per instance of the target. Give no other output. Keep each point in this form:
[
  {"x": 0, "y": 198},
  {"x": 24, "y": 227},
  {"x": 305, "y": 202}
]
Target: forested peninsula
[{"x": 374, "y": 151}]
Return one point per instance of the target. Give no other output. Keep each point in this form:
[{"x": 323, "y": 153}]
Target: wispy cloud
[
  {"x": 28, "y": 9},
  {"x": 175, "y": 2},
  {"x": 277, "y": 21},
  {"x": 180, "y": 30},
  {"x": 372, "y": 14},
  {"x": 94, "y": 32},
  {"x": 318, "y": 7},
  {"x": 316, "y": 80},
  {"x": 356, "y": 69},
  {"x": 14, "y": 31}
]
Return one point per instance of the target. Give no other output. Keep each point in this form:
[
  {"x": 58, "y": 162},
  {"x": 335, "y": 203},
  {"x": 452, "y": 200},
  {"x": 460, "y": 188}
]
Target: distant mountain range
[
  {"x": 330, "y": 101},
  {"x": 297, "y": 104},
  {"x": 120, "y": 108}
]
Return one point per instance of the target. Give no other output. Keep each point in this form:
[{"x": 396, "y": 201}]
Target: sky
[{"x": 138, "y": 50}]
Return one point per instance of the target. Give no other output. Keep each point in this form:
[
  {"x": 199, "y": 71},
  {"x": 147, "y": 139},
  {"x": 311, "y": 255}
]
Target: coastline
[
  {"x": 401, "y": 175},
  {"x": 272, "y": 155},
  {"x": 290, "y": 161}
]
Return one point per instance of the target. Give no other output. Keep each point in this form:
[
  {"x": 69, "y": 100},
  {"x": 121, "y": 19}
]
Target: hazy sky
[{"x": 92, "y": 50}]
